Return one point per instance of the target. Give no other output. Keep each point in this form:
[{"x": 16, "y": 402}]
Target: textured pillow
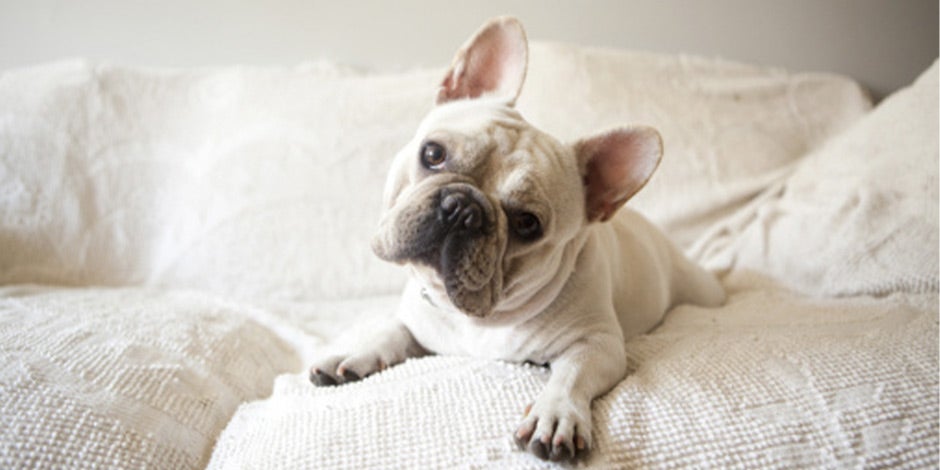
[
  {"x": 248, "y": 181},
  {"x": 729, "y": 130},
  {"x": 859, "y": 216},
  {"x": 125, "y": 378},
  {"x": 267, "y": 182}
]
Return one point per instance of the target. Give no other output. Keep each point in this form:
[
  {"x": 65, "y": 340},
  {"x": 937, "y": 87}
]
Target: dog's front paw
[
  {"x": 555, "y": 428},
  {"x": 388, "y": 344},
  {"x": 336, "y": 370}
]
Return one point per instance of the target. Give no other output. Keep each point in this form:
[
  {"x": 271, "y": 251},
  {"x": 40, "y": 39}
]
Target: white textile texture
[
  {"x": 771, "y": 380},
  {"x": 858, "y": 216},
  {"x": 125, "y": 378}
]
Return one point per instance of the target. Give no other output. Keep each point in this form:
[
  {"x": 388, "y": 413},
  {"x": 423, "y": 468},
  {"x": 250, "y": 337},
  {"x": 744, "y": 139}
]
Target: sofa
[{"x": 177, "y": 244}]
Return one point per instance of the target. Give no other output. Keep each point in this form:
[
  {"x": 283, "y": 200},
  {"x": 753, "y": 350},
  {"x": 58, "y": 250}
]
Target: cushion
[
  {"x": 266, "y": 182},
  {"x": 857, "y": 216},
  {"x": 126, "y": 378},
  {"x": 256, "y": 182}
]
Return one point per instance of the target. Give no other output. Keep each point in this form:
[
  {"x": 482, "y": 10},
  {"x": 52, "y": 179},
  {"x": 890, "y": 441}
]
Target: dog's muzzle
[{"x": 453, "y": 229}]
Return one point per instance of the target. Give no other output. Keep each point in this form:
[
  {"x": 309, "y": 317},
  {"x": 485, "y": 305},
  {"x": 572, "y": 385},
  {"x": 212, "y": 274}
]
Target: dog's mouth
[
  {"x": 453, "y": 231},
  {"x": 469, "y": 275}
]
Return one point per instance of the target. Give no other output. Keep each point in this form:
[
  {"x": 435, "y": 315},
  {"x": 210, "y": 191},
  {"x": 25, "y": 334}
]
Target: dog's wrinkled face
[
  {"x": 484, "y": 207},
  {"x": 481, "y": 203}
]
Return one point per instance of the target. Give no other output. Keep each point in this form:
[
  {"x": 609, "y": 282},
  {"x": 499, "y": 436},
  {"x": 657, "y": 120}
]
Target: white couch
[{"x": 176, "y": 244}]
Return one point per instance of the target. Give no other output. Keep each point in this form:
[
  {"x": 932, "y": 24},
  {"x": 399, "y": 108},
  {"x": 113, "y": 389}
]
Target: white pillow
[
  {"x": 126, "y": 378},
  {"x": 266, "y": 182},
  {"x": 859, "y": 216},
  {"x": 247, "y": 181}
]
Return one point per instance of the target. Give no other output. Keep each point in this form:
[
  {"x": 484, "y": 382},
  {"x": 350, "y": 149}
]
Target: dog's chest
[
  {"x": 453, "y": 334},
  {"x": 457, "y": 337}
]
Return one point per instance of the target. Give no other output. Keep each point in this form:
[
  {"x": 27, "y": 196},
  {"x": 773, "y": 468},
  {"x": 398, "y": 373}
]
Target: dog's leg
[
  {"x": 387, "y": 345},
  {"x": 558, "y": 425}
]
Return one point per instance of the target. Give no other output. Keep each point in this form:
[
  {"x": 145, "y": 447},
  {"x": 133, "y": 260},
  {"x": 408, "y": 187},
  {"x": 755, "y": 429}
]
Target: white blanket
[
  {"x": 229, "y": 212},
  {"x": 769, "y": 381}
]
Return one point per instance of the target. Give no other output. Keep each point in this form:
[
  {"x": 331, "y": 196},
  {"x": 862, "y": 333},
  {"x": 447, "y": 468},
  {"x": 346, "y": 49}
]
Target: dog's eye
[
  {"x": 433, "y": 155},
  {"x": 526, "y": 225}
]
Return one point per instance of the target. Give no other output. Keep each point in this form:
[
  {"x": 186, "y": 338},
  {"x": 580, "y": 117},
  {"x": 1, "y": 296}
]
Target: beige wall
[{"x": 883, "y": 43}]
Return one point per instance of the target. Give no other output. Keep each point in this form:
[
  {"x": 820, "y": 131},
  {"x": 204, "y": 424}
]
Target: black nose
[{"x": 459, "y": 211}]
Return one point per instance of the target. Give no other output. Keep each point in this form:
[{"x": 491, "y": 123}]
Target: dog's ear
[
  {"x": 491, "y": 63},
  {"x": 615, "y": 165}
]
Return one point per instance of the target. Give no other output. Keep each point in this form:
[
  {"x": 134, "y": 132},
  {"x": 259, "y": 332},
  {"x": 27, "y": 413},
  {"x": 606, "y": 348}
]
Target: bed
[{"x": 176, "y": 244}]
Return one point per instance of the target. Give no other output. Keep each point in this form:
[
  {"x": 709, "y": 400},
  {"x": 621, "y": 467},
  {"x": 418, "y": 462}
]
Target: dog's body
[
  {"x": 514, "y": 248},
  {"x": 601, "y": 297}
]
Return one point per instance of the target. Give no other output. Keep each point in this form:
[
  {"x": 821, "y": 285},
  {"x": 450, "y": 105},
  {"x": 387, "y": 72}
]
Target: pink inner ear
[
  {"x": 493, "y": 67},
  {"x": 493, "y": 62},
  {"x": 616, "y": 165},
  {"x": 605, "y": 180}
]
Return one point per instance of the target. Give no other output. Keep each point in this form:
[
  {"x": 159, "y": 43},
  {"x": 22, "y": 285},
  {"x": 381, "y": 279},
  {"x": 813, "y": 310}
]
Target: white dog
[{"x": 514, "y": 250}]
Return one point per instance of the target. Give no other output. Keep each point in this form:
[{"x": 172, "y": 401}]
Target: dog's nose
[{"x": 459, "y": 211}]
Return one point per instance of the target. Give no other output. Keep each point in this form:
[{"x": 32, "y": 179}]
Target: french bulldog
[{"x": 513, "y": 248}]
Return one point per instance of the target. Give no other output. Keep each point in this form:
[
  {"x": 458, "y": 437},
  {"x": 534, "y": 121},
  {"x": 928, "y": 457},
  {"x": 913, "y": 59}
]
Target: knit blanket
[{"x": 771, "y": 380}]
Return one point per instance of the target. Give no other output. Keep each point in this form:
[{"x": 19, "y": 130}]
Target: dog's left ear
[
  {"x": 615, "y": 165},
  {"x": 491, "y": 63}
]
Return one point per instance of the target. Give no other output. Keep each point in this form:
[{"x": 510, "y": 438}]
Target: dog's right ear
[{"x": 491, "y": 63}]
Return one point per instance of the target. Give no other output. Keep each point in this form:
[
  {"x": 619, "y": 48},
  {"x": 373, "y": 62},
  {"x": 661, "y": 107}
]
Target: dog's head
[{"x": 484, "y": 207}]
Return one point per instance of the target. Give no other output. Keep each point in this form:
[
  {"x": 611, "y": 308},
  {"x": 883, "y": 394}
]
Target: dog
[{"x": 513, "y": 248}]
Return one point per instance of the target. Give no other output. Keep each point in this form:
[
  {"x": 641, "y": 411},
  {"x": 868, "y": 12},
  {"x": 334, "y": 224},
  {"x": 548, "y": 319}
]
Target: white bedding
[
  {"x": 771, "y": 380},
  {"x": 175, "y": 243}
]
